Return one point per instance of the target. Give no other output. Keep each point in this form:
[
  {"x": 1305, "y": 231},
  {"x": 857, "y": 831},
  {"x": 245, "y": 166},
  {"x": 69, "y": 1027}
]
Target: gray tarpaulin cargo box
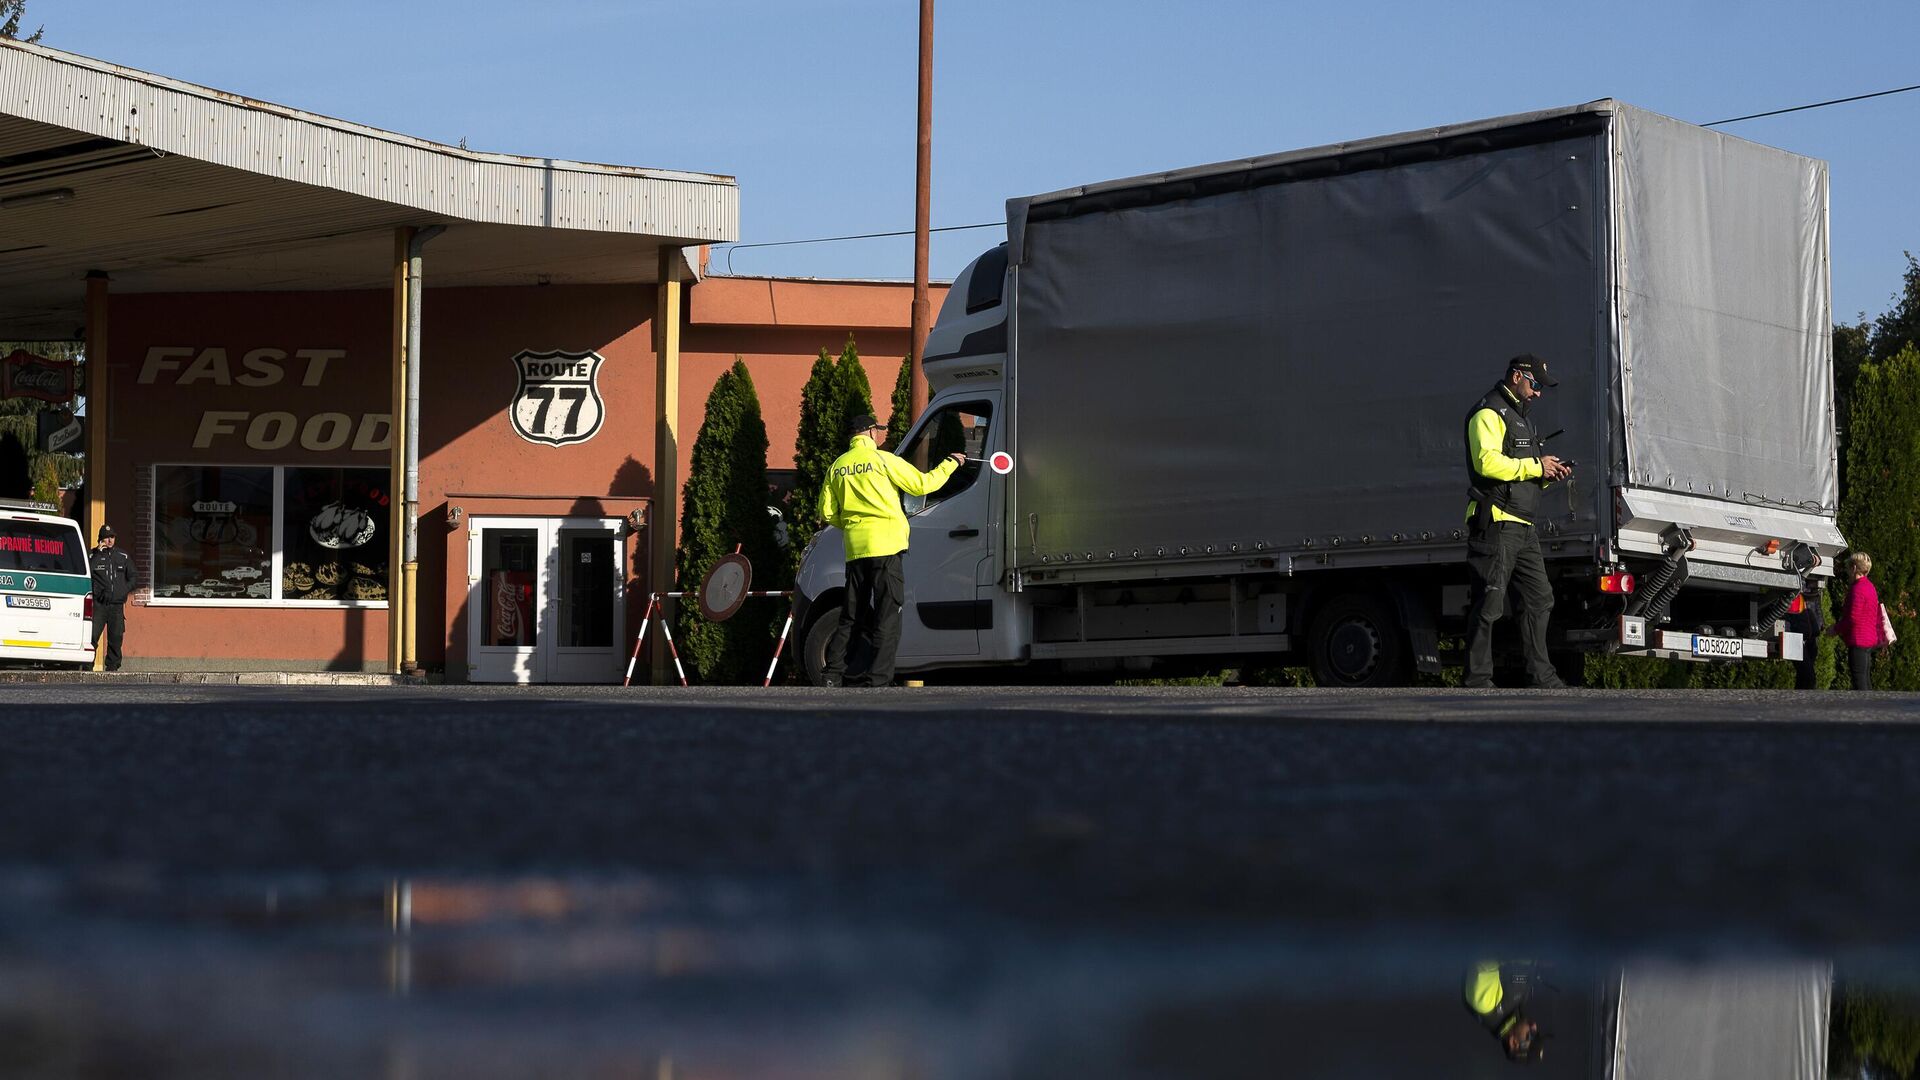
[
  {"x": 1729, "y": 1022},
  {"x": 1281, "y": 352}
]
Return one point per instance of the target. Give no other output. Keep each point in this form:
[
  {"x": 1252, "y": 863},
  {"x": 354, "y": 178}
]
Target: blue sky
[{"x": 810, "y": 103}]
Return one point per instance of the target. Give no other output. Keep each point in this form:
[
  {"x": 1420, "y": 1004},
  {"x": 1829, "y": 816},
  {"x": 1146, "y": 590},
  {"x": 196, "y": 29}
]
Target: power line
[
  {"x": 1815, "y": 105},
  {"x": 996, "y": 224},
  {"x": 860, "y": 236}
]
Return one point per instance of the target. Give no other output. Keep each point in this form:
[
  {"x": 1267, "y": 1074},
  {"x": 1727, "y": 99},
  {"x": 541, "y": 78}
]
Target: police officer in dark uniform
[
  {"x": 1507, "y": 471},
  {"x": 112, "y": 581}
]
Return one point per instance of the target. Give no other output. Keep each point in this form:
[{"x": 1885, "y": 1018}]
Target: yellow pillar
[
  {"x": 663, "y": 528},
  {"x": 97, "y": 415},
  {"x": 397, "y": 475}
]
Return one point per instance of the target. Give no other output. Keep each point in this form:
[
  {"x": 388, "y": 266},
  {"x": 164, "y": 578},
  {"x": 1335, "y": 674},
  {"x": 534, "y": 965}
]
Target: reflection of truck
[{"x": 1236, "y": 398}]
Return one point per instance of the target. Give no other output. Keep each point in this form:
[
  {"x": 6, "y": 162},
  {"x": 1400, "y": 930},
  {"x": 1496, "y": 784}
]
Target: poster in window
[{"x": 212, "y": 532}]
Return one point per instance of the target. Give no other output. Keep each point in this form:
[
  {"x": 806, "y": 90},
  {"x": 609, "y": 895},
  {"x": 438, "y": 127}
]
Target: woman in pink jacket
[{"x": 1859, "y": 621}]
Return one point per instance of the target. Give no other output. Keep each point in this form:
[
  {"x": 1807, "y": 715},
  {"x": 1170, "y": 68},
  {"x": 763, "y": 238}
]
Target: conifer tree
[
  {"x": 902, "y": 405},
  {"x": 15, "y": 480},
  {"x": 822, "y": 438},
  {"x": 1878, "y": 509},
  {"x": 856, "y": 393},
  {"x": 725, "y": 504}
]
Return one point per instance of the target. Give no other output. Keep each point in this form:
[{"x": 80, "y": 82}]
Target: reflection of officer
[
  {"x": 1497, "y": 995},
  {"x": 112, "y": 581},
  {"x": 1507, "y": 472},
  {"x": 862, "y": 498}
]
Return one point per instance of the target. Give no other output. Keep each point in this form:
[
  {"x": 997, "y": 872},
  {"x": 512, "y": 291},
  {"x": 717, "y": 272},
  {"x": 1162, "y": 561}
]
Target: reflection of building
[{"x": 247, "y": 290}]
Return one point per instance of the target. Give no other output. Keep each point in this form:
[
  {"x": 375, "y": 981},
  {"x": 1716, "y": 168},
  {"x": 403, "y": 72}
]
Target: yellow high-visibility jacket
[
  {"x": 1486, "y": 436},
  {"x": 862, "y": 497}
]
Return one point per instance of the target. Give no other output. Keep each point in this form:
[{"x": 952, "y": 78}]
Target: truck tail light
[
  {"x": 1799, "y": 604},
  {"x": 86, "y": 609},
  {"x": 1616, "y": 583}
]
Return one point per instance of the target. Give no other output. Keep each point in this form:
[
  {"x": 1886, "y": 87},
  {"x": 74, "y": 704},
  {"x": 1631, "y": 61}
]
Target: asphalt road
[{"x": 927, "y": 882}]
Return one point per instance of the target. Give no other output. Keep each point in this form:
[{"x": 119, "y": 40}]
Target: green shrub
[
  {"x": 1880, "y": 510},
  {"x": 725, "y": 504},
  {"x": 902, "y": 415}
]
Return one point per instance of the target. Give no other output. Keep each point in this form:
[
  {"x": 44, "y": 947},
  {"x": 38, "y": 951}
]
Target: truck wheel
[
  {"x": 813, "y": 647},
  {"x": 1356, "y": 640}
]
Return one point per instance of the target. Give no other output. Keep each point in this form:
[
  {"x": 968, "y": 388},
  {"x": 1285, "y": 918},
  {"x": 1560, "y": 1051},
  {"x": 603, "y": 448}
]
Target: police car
[{"x": 46, "y": 587}]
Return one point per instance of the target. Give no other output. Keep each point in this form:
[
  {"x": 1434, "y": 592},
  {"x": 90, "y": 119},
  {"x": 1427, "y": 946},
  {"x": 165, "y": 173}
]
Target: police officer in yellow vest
[
  {"x": 1507, "y": 470},
  {"x": 862, "y": 499},
  {"x": 1497, "y": 994}
]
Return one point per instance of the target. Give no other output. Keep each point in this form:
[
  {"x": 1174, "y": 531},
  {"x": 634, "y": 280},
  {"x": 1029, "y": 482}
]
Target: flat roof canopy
[{"x": 171, "y": 187}]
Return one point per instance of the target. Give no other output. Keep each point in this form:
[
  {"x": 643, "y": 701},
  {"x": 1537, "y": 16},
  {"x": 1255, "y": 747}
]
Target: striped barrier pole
[{"x": 637, "y": 642}]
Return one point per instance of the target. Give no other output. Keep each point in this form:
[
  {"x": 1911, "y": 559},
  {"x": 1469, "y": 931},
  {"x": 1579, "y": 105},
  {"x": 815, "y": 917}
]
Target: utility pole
[{"x": 922, "y": 211}]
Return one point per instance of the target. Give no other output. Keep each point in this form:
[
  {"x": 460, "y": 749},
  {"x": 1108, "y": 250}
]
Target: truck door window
[{"x": 959, "y": 428}]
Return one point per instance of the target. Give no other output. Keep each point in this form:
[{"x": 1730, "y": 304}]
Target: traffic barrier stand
[
  {"x": 780, "y": 644},
  {"x": 654, "y": 605}
]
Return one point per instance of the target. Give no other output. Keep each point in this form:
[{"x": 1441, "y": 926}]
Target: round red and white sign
[{"x": 1001, "y": 462}]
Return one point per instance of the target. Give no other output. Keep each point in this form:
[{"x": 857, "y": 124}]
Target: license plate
[
  {"x": 40, "y": 602},
  {"x": 1717, "y": 646}
]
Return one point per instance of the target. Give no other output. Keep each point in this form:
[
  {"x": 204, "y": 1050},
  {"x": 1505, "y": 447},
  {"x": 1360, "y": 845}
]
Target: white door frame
[{"x": 545, "y": 660}]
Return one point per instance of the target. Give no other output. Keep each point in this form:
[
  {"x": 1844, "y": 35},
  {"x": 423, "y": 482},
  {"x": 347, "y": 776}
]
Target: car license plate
[
  {"x": 1704, "y": 645},
  {"x": 40, "y": 602}
]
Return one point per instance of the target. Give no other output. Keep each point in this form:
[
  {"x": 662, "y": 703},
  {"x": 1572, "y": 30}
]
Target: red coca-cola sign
[
  {"x": 512, "y": 595},
  {"x": 22, "y": 374}
]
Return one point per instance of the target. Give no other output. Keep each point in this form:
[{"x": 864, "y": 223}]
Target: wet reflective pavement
[{"x": 989, "y": 883}]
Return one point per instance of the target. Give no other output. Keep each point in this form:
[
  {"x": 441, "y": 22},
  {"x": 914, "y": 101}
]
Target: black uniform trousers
[
  {"x": 1504, "y": 557},
  {"x": 1809, "y": 624},
  {"x": 111, "y": 618},
  {"x": 862, "y": 648}
]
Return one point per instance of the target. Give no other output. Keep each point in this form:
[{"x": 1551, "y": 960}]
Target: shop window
[
  {"x": 335, "y": 534},
  {"x": 215, "y": 531},
  {"x": 212, "y": 532}
]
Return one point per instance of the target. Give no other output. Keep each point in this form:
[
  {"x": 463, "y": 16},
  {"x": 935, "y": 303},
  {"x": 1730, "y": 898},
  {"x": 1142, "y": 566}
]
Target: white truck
[{"x": 1235, "y": 397}]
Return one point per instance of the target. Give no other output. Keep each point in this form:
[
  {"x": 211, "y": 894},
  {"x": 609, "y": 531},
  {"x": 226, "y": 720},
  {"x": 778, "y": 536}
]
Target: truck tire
[
  {"x": 813, "y": 645},
  {"x": 1356, "y": 640}
]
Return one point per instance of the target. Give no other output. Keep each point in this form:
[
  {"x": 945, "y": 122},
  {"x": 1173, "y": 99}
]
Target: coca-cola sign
[{"x": 22, "y": 374}]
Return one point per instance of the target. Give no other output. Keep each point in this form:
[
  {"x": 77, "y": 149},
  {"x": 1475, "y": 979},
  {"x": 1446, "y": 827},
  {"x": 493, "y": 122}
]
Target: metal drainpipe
[{"x": 408, "y": 661}]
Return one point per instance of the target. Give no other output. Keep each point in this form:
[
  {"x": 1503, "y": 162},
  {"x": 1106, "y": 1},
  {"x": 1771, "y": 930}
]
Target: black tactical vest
[{"x": 1521, "y": 498}]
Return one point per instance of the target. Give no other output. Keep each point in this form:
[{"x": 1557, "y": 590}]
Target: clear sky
[{"x": 810, "y": 103}]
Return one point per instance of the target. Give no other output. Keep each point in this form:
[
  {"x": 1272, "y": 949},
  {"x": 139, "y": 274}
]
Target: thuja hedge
[{"x": 724, "y": 504}]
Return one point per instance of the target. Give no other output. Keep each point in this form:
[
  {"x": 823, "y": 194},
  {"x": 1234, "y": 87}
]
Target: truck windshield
[
  {"x": 959, "y": 428},
  {"x": 41, "y": 547}
]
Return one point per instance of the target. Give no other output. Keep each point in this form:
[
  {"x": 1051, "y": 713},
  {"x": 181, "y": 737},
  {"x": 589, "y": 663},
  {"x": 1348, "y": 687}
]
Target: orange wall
[{"x": 467, "y": 442}]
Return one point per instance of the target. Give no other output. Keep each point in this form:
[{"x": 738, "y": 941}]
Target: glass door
[
  {"x": 546, "y": 600},
  {"x": 506, "y": 586},
  {"x": 589, "y": 599}
]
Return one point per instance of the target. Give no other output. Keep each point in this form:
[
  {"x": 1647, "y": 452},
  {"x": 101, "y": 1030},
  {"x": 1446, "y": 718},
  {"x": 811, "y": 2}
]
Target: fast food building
[{"x": 288, "y": 316}]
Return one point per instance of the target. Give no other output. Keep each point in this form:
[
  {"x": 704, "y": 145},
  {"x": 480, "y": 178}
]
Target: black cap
[
  {"x": 861, "y": 425},
  {"x": 106, "y": 532},
  {"x": 1533, "y": 366}
]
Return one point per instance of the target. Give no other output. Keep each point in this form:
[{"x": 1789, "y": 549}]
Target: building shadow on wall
[{"x": 353, "y": 646}]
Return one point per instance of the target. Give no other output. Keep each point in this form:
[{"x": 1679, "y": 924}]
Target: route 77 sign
[{"x": 556, "y": 400}]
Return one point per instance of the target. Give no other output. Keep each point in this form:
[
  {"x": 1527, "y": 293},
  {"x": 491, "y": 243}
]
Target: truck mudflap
[{"x": 1634, "y": 637}]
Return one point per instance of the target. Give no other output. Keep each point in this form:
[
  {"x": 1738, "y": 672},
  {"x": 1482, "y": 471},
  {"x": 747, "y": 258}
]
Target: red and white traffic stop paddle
[{"x": 1001, "y": 462}]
